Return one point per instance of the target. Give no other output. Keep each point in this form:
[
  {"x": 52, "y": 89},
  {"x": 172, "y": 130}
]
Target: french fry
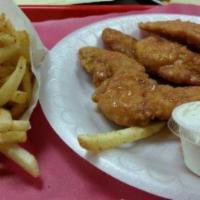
[
  {"x": 20, "y": 125},
  {"x": 23, "y": 40},
  {"x": 18, "y": 109},
  {"x": 103, "y": 141},
  {"x": 15, "y": 125},
  {"x": 7, "y": 52},
  {"x": 5, "y": 114},
  {"x": 22, "y": 157},
  {"x": 27, "y": 85},
  {"x": 2, "y": 23},
  {"x": 7, "y": 124},
  {"x": 19, "y": 97},
  {"x": 13, "y": 137},
  {"x": 7, "y": 39},
  {"x": 3, "y": 80},
  {"x": 9, "y": 28},
  {"x": 13, "y": 82},
  {"x": 6, "y": 70},
  {"x": 5, "y": 120}
]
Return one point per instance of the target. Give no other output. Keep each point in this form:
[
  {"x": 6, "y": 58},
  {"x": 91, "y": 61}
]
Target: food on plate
[
  {"x": 170, "y": 60},
  {"x": 103, "y": 141},
  {"x": 106, "y": 63},
  {"x": 128, "y": 96},
  {"x": 125, "y": 93},
  {"x": 118, "y": 41},
  {"x": 16, "y": 83},
  {"x": 160, "y": 52},
  {"x": 186, "y": 31}
]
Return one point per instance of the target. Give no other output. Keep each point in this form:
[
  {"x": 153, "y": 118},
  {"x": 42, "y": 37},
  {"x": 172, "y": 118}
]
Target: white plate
[
  {"x": 177, "y": 1},
  {"x": 154, "y": 165},
  {"x": 158, "y": 2}
]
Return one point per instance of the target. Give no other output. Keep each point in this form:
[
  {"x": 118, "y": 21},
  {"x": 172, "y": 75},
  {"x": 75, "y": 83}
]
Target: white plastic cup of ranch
[{"x": 185, "y": 123}]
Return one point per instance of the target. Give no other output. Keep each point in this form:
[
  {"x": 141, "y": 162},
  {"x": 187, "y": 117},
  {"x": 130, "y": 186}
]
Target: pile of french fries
[{"x": 16, "y": 83}]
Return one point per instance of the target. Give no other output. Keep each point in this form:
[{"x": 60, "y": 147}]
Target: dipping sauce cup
[{"x": 185, "y": 123}]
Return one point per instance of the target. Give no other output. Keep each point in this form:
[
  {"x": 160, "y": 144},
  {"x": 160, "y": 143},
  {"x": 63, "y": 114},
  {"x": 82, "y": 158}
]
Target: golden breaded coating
[
  {"x": 128, "y": 99},
  {"x": 154, "y": 52},
  {"x": 128, "y": 96},
  {"x": 102, "y": 63},
  {"x": 118, "y": 41},
  {"x": 182, "y": 30},
  {"x": 170, "y": 60}
]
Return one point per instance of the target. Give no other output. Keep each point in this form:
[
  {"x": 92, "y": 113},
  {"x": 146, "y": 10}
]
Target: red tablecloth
[{"x": 64, "y": 175}]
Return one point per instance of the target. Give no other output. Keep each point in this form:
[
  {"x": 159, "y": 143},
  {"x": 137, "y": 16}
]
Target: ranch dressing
[{"x": 185, "y": 123}]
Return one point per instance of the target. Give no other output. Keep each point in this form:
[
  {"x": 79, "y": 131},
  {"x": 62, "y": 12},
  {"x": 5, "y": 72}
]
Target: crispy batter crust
[
  {"x": 169, "y": 60},
  {"x": 128, "y": 96},
  {"x": 177, "y": 29},
  {"x": 114, "y": 39}
]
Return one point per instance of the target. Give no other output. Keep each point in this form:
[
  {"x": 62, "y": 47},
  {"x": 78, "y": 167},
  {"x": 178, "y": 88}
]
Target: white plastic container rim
[{"x": 181, "y": 126}]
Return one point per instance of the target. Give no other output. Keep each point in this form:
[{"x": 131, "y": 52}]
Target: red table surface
[
  {"x": 64, "y": 175},
  {"x": 42, "y": 13}
]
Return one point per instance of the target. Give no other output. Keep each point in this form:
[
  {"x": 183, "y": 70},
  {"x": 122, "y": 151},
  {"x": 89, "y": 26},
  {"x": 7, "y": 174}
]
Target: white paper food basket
[{"x": 37, "y": 49}]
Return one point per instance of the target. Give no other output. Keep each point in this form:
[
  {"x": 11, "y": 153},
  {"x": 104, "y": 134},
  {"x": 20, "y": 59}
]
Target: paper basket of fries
[{"x": 21, "y": 53}]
